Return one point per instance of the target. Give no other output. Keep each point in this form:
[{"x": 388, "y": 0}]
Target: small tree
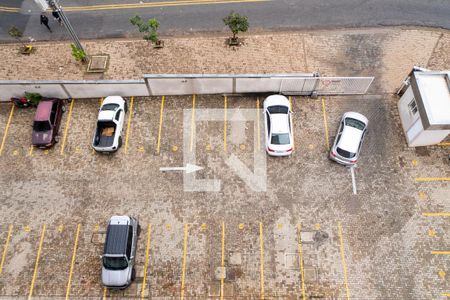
[
  {"x": 78, "y": 53},
  {"x": 150, "y": 29},
  {"x": 236, "y": 23},
  {"x": 17, "y": 34}
]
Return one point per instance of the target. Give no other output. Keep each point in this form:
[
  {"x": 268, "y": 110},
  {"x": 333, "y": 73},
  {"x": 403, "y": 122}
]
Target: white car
[
  {"x": 108, "y": 135},
  {"x": 349, "y": 138},
  {"x": 278, "y": 126}
]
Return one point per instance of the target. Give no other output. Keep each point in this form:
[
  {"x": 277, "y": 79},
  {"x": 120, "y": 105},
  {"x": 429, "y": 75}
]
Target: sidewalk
[{"x": 386, "y": 53}]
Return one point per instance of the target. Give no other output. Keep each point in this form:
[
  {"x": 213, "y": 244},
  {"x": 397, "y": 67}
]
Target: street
[{"x": 107, "y": 19}]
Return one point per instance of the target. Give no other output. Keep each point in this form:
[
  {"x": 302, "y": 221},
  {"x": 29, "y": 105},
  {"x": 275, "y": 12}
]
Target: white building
[{"x": 424, "y": 107}]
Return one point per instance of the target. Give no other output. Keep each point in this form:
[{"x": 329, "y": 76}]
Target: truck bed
[{"x": 105, "y": 133}]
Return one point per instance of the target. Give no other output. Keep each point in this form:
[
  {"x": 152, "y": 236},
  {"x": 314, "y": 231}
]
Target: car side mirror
[{"x": 100, "y": 256}]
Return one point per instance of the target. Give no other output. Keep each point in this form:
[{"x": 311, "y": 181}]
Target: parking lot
[{"x": 313, "y": 233}]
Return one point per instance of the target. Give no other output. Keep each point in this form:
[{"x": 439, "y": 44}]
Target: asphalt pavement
[{"x": 190, "y": 16}]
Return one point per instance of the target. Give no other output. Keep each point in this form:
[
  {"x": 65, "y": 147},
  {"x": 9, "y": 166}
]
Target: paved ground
[
  {"x": 374, "y": 245},
  {"x": 387, "y": 53},
  {"x": 390, "y": 241}
]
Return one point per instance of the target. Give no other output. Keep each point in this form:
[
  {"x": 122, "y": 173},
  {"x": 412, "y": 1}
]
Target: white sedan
[
  {"x": 349, "y": 138},
  {"x": 108, "y": 134},
  {"x": 278, "y": 126}
]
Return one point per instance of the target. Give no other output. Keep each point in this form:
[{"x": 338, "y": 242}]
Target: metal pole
[{"x": 56, "y": 7}]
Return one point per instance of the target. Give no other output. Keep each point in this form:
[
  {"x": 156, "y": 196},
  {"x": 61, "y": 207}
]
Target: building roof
[
  {"x": 432, "y": 94},
  {"x": 116, "y": 239}
]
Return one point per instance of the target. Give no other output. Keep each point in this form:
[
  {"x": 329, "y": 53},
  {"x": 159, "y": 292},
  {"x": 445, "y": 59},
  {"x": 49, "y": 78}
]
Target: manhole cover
[
  {"x": 422, "y": 151},
  {"x": 98, "y": 64}
]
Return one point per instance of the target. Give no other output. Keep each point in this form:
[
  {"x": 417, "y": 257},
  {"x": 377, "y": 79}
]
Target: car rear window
[
  {"x": 110, "y": 106},
  {"x": 41, "y": 126},
  {"x": 280, "y": 139},
  {"x": 278, "y": 109},
  {"x": 354, "y": 123},
  {"x": 344, "y": 153}
]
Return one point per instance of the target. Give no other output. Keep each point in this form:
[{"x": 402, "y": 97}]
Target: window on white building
[{"x": 413, "y": 106}]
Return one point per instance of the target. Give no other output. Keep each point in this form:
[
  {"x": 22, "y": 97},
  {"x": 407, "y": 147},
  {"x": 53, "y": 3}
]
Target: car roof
[
  {"x": 116, "y": 237},
  {"x": 279, "y": 123},
  {"x": 106, "y": 115},
  {"x": 350, "y": 139},
  {"x": 43, "y": 110}
]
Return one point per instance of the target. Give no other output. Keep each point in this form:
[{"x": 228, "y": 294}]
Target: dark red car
[{"x": 47, "y": 121}]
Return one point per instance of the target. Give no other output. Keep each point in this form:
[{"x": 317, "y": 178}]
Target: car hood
[
  {"x": 42, "y": 137},
  {"x": 350, "y": 139},
  {"x": 113, "y": 278}
]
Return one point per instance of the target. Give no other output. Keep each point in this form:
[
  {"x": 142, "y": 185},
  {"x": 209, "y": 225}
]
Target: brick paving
[
  {"x": 387, "y": 53},
  {"x": 383, "y": 251}
]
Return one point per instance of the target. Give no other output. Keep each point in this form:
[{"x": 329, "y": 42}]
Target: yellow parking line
[
  {"x": 192, "y": 122},
  {"x": 225, "y": 104},
  {"x": 66, "y": 129},
  {"x": 438, "y": 214},
  {"x": 300, "y": 258},
  {"x": 444, "y": 144},
  {"x": 104, "y": 293},
  {"x": 222, "y": 264},
  {"x": 128, "y": 125},
  {"x": 158, "y": 145},
  {"x": 7, "y": 128},
  {"x": 183, "y": 275},
  {"x": 441, "y": 252},
  {"x": 6, "y": 247},
  {"x": 433, "y": 179},
  {"x": 344, "y": 266},
  {"x": 156, "y": 4},
  {"x": 261, "y": 258},
  {"x": 37, "y": 262},
  {"x": 147, "y": 253},
  {"x": 446, "y": 295},
  {"x": 72, "y": 264},
  {"x": 325, "y": 124},
  {"x": 257, "y": 122},
  {"x": 30, "y": 152}
]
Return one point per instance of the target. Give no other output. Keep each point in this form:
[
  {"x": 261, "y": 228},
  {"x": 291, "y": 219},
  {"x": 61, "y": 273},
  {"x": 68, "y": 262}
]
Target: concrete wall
[{"x": 188, "y": 84}]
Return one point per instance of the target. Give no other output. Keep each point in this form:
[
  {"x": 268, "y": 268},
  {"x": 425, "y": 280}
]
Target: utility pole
[{"x": 54, "y": 5}]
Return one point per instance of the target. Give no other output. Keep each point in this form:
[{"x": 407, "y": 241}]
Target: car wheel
[
  {"x": 126, "y": 107},
  {"x": 56, "y": 139},
  {"x": 133, "y": 274},
  {"x": 120, "y": 141},
  {"x": 63, "y": 108}
]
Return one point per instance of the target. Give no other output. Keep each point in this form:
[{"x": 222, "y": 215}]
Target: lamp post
[{"x": 54, "y": 5}]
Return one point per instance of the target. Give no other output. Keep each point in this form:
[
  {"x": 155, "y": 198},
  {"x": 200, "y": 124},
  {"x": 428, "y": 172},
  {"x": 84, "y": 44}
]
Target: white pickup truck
[{"x": 108, "y": 134}]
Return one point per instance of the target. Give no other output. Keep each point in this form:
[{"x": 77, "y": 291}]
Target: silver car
[
  {"x": 119, "y": 252},
  {"x": 349, "y": 138}
]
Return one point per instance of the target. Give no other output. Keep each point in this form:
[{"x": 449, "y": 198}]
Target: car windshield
[
  {"x": 278, "y": 109},
  {"x": 115, "y": 263},
  {"x": 354, "y": 123},
  {"x": 41, "y": 126},
  {"x": 280, "y": 139},
  {"x": 110, "y": 106},
  {"x": 344, "y": 153}
]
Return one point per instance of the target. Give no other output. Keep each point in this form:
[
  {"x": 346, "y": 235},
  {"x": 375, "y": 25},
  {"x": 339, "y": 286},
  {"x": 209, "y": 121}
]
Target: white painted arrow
[{"x": 188, "y": 169}]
